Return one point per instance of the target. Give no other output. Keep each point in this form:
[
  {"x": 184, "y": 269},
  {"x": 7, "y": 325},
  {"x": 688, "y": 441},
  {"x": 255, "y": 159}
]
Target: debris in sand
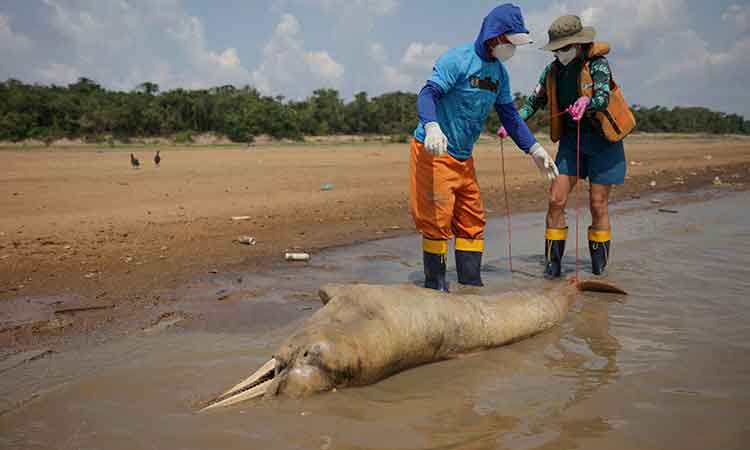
[
  {"x": 82, "y": 308},
  {"x": 665, "y": 210},
  {"x": 247, "y": 240},
  {"x": 297, "y": 256},
  {"x": 652, "y": 183},
  {"x": 717, "y": 181},
  {"x": 224, "y": 295},
  {"x": 327, "y": 187},
  {"x": 165, "y": 321},
  {"x": 655, "y": 201},
  {"x": 22, "y": 358},
  {"x": 38, "y": 326},
  {"x": 238, "y": 218}
]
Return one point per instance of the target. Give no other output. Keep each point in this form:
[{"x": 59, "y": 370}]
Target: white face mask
[
  {"x": 504, "y": 52},
  {"x": 567, "y": 56}
]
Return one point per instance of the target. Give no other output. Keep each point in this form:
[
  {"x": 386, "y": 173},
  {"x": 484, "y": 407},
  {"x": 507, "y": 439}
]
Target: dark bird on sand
[
  {"x": 157, "y": 158},
  {"x": 134, "y": 161}
]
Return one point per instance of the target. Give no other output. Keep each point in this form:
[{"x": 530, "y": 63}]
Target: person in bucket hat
[
  {"x": 466, "y": 83},
  {"x": 575, "y": 86}
]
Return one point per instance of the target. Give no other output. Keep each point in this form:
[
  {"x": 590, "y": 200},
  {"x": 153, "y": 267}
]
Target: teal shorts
[{"x": 602, "y": 162}]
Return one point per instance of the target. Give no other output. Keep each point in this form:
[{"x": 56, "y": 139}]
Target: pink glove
[
  {"x": 577, "y": 109},
  {"x": 501, "y": 133}
]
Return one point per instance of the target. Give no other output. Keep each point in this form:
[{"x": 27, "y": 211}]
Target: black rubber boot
[
  {"x": 469, "y": 267},
  {"x": 554, "y": 248},
  {"x": 599, "y": 244},
  {"x": 434, "y": 271}
]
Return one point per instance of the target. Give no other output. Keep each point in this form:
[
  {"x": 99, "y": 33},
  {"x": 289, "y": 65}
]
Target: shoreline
[{"x": 126, "y": 262}]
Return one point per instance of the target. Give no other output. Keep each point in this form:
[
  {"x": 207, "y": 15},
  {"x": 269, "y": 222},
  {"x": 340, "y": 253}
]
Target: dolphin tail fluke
[
  {"x": 593, "y": 285},
  {"x": 253, "y": 386}
]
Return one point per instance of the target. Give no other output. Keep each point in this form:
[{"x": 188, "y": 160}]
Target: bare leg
[
  {"x": 558, "y": 198},
  {"x": 599, "y": 204}
]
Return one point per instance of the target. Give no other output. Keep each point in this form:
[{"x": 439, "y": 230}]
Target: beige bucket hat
[{"x": 566, "y": 30}]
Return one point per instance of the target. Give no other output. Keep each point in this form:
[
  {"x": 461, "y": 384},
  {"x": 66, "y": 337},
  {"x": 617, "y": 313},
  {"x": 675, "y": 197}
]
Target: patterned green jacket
[{"x": 568, "y": 90}]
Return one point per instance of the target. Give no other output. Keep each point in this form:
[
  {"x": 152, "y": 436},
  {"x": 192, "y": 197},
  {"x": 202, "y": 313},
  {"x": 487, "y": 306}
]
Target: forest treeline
[{"x": 85, "y": 110}]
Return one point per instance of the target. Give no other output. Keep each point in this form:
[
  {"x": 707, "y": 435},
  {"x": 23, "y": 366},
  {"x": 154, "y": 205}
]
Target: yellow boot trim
[
  {"x": 435, "y": 247},
  {"x": 470, "y": 245},
  {"x": 600, "y": 235},
  {"x": 556, "y": 234}
]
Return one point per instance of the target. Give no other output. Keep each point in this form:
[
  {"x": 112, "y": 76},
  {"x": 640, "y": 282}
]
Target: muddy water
[{"x": 666, "y": 367}]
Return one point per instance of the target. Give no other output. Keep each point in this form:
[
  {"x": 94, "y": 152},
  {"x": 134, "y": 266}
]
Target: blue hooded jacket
[{"x": 466, "y": 83}]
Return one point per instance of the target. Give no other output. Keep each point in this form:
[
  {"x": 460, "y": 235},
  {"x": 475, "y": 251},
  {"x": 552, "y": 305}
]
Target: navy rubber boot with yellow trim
[
  {"x": 434, "y": 256},
  {"x": 554, "y": 248},
  {"x": 469, "y": 261},
  {"x": 599, "y": 244}
]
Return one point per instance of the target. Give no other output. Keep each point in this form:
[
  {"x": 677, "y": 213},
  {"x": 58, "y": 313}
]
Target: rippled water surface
[{"x": 666, "y": 367}]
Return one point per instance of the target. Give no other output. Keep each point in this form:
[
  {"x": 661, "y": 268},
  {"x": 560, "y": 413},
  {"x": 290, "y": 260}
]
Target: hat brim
[
  {"x": 519, "y": 38},
  {"x": 585, "y": 36}
]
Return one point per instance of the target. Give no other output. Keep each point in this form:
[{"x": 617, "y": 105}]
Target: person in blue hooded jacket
[{"x": 466, "y": 82}]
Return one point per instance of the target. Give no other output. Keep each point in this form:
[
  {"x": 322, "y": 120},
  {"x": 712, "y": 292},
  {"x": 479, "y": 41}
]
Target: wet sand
[{"x": 82, "y": 229}]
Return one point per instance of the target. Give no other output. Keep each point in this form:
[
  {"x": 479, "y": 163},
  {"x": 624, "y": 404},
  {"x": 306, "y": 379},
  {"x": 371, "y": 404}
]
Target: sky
[{"x": 664, "y": 52}]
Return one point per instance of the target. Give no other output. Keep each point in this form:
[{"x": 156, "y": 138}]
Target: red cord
[
  {"x": 507, "y": 201},
  {"x": 507, "y": 204},
  {"x": 578, "y": 211}
]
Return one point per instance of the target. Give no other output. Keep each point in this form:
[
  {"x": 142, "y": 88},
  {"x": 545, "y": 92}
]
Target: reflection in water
[{"x": 591, "y": 372}]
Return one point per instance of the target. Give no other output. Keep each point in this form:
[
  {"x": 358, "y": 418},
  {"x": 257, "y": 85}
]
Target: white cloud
[
  {"x": 58, "y": 73},
  {"x": 377, "y": 53},
  {"x": 410, "y": 70},
  {"x": 286, "y": 63},
  {"x": 322, "y": 65},
  {"x": 663, "y": 51},
  {"x": 739, "y": 15},
  {"x": 188, "y": 31},
  {"x": 396, "y": 79},
  {"x": 347, "y": 7},
  {"x": 288, "y": 25},
  {"x": 641, "y": 18},
  {"x": 123, "y": 44},
  {"x": 683, "y": 58},
  {"x": 11, "y": 42},
  {"x": 422, "y": 56}
]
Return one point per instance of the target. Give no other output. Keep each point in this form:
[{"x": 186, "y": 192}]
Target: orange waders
[{"x": 444, "y": 201}]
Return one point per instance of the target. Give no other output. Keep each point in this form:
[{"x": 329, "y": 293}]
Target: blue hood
[{"x": 504, "y": 19}]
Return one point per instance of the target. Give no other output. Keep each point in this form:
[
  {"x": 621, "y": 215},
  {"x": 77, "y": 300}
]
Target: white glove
[
  {"x": 435, "y": 142},
  {"x": 545, "y": 164}
]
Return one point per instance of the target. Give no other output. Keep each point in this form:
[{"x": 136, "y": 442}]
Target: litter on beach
[{"x": 297, "y": 256}]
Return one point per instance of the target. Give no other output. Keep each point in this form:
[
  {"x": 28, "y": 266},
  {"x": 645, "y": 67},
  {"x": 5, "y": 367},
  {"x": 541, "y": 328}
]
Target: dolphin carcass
[{"x": 365, "y": 333}]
